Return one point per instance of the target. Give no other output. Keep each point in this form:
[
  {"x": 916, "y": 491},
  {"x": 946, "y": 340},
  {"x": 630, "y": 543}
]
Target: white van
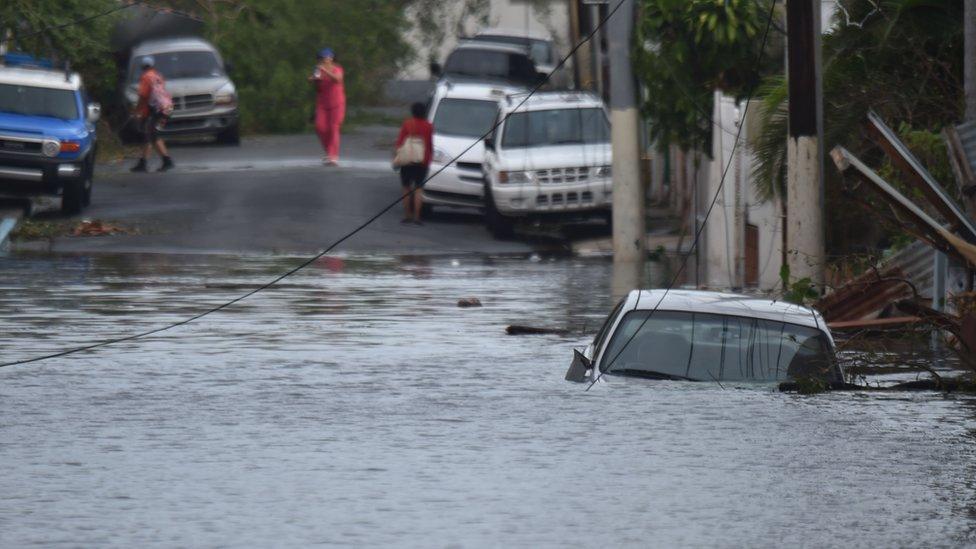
[
  {"x": 461, "y": 114},
  {"x": 550, "y": 158},
  {"x": 204, "y": 97}
]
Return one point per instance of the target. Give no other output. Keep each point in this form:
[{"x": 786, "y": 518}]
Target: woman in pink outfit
[{"x": 330, "y": 104}]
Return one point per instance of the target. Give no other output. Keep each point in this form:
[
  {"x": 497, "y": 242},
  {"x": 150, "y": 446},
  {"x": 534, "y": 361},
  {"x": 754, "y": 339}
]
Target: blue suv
[{"x": 47, "y": 133}]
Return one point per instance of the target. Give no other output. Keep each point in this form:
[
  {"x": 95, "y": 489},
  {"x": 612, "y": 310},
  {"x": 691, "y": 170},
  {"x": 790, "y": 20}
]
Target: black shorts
[
  {"x": 413, "y": 175},
  {"x": 151, "y": 125}
]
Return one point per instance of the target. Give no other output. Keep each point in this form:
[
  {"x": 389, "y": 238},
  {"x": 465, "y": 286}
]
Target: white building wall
[
  {"x": 723, "y": 249},
  {"x": 466, "y": 17}
]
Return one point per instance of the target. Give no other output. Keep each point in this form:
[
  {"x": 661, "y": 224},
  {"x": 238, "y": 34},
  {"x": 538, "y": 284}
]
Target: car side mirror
[
  {"x": 436, "y": 70},
  {"x": 577, "y": 370},
  {"x": 490, "y": 143},
  {"x": 93, "y": 112}
]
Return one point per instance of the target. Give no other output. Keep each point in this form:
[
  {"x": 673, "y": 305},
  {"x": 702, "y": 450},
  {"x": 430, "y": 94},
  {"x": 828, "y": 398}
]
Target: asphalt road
[{"x": 271, "y": 195}]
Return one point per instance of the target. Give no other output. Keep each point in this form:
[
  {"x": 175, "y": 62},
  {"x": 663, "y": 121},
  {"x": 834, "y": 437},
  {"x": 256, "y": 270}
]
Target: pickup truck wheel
[
  {"x": 498, "y": 225},
  {"x": 73, "y": 197}
]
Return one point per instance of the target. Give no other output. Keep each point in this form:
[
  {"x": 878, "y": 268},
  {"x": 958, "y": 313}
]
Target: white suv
[
  {"x": 461, "y": 114},
  {"x": 550, "y": 158}
]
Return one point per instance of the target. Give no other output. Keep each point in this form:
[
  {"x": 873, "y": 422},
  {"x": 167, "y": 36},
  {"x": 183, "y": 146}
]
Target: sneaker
[
  {"x": 332, "y": 162},
  {"x": 167, "y": 164},
  {"x": 417, "y": 222},
  {"x": 139, "y": 167}
]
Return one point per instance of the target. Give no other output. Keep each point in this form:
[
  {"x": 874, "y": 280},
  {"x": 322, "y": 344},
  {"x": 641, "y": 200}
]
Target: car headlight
[
  {"x": 604, "y": 171},
  {"x": 440, "y": 156},
  {"x": 51, "y": 148},
  {"x": 515, "y": 177},
  {"x": 226, "y": 95}
]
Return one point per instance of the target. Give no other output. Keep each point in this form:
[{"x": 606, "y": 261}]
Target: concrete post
[
  {"x": 597, "y": 43},
  {"x": 804, "y": 154},
  {"x": 628, "y": 193}
]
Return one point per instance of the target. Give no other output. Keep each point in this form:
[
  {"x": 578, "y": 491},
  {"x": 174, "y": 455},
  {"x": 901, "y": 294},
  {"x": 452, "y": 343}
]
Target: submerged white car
[
  {"x": 709, "y": 336},
  {"x": 549, "y": 158},
  {"x": 461, "y": 114}
]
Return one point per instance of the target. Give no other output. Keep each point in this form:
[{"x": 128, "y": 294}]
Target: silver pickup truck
[{"x": 204, "y": 97}]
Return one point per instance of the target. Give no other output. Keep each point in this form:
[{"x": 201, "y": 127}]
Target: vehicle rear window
[
  {"x": 464, "y": 117},
  {"x": 37, "y": 101},
  {"x": 477, "y": 63},
  {"x": 539, "y": 50},
  {"x": 491, "y": 64},
  {"x": 182, "y": 64},
  {"x": 556, "y": 127},
  {"x": 705, "y": 347}
]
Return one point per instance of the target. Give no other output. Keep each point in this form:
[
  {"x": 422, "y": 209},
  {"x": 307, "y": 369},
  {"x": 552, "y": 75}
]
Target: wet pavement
[
  {"x": 357, "y": 405},
  {"x": 270, "y": 195}
]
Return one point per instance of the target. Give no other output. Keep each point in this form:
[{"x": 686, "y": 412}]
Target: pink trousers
[{"x": 327, "y": 123}]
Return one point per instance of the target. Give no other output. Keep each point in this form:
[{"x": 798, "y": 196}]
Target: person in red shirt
[
  {"x": 330, "y": 104},
  {"x": 413, "y": 176},
  {"x": 150, "y": 115}
]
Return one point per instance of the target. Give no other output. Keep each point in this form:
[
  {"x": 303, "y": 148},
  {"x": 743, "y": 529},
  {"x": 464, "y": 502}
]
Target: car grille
[
  {"x": 21, "y": 146},
  {"x": 563, "y": 175},
  {"x": 567, "y": 199},
  {"x": 190, "y": 102}
]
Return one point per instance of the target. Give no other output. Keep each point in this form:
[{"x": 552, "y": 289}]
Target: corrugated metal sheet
[{"x": 967, "y": 137}]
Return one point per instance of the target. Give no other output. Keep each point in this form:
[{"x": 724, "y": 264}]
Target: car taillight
[{"x": 70, "y": 146}]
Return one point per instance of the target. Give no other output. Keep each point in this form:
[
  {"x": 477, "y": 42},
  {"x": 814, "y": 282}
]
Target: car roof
[
  {"x": 723, "y": 303},
  {"x": 490, "y": 46},
  {"x": 475, "y": 90},
  {"x": 552, "y": 99},
  {"x": 514, "y": 33},
  {"x": 163, "y": 45},
  {"x": 39, "y": 77}
]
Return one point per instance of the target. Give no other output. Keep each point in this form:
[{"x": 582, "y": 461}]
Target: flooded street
[{"x": 356, "y": 404}]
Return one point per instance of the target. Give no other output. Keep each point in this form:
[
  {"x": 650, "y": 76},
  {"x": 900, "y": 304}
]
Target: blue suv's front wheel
[{"x": 76, "y": 193}]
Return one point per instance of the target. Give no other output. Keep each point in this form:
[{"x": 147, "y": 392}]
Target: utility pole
[
  {"x": 804, "y": 152},
  {"x": 597, "y": 43},
  {"x": 969, "y": 58},
  {"x": 628, "y": 194}
]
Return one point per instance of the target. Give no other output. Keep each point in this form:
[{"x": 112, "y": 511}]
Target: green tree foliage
[
  {"x": 85, "y": 46},
  {"x": 900, "y": 58},
  {"x": 272, "y": 46},
  {"x": 686, "y": 49}
]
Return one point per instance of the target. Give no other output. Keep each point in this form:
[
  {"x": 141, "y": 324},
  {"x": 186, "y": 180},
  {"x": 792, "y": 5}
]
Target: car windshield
[
  {"x": 464, "y": 117},
  {"x": 183, "y": 64},
  {"x": 36, "y": 101},
  {"x": 556, "y": 127},
  {"x": 704, "y": 347},
  {"x": 539, "y": 50}
]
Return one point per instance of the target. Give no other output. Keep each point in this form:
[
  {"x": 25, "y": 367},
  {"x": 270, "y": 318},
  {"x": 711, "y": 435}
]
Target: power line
[
  {"x": 80, "y": 21},
  {"x": 701, "y": 228},
  {"x": 347, "y": 236}
]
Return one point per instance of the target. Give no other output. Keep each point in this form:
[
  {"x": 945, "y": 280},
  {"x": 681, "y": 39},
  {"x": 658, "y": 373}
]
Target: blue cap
[
  {"x": 147, "y": 61},
  {"x": 326, "y": 52}
]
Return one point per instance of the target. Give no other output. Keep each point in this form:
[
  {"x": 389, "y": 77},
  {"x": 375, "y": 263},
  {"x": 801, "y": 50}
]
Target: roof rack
[
  {"x": 567, "y": 95},
  {"x": 26, "y": 61}
]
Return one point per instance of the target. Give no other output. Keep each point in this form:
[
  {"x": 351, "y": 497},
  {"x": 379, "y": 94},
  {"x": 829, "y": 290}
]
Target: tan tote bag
[{"x": 411, "y": 151}]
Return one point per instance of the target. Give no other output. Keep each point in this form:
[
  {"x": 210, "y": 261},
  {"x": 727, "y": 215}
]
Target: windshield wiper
[
  {"x": 646, "y": 374},
  {"x": 567, "y": 141}
]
